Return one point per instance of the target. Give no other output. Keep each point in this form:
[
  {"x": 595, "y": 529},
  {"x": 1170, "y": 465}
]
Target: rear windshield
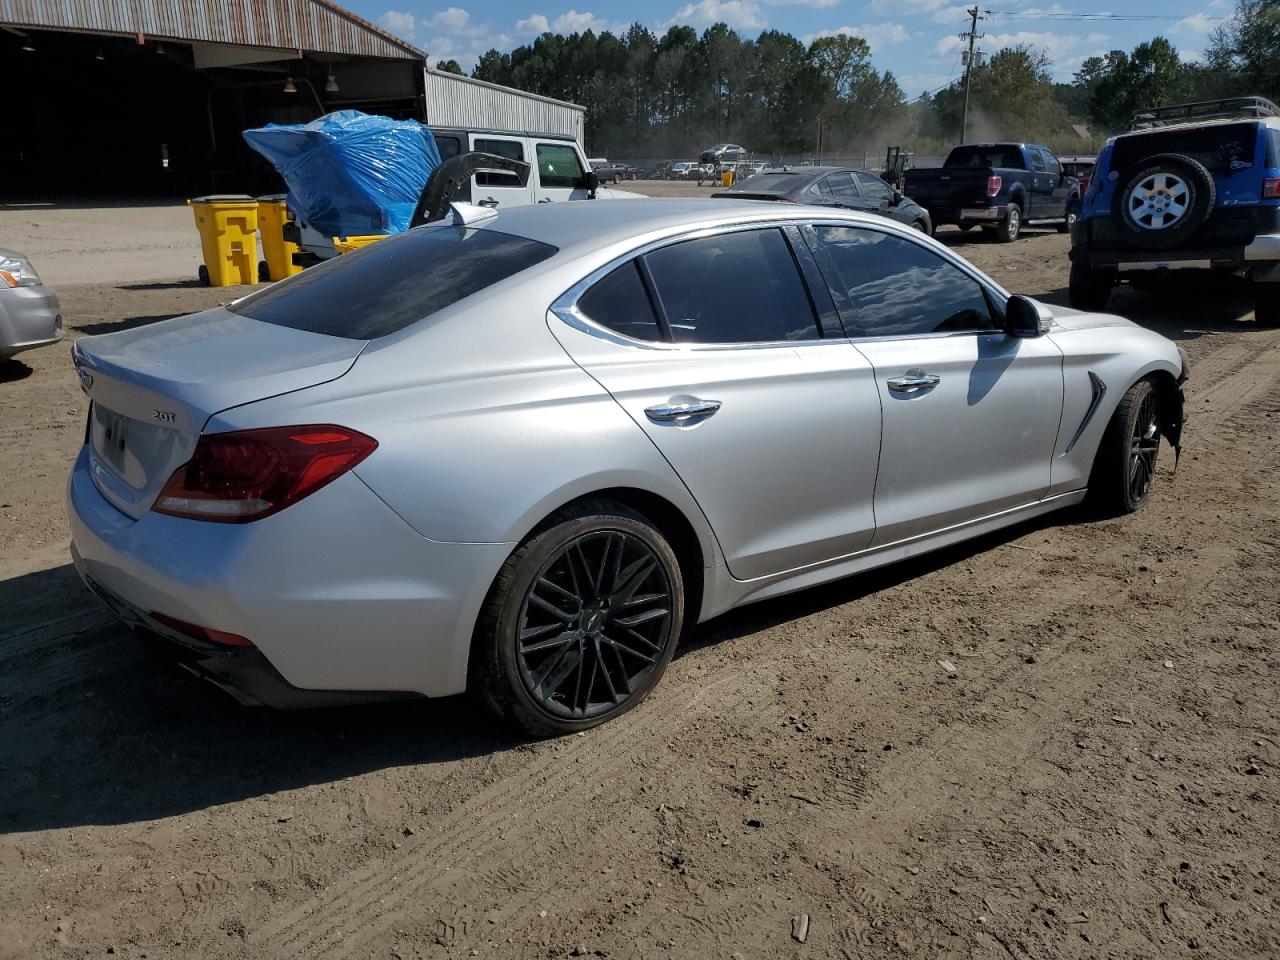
[
  {"x": 775, "y": 183},
  {"x": 1214, "y": 145},
  {"x": 985, "y": 157},
  {"x": 392, "y": 283}
]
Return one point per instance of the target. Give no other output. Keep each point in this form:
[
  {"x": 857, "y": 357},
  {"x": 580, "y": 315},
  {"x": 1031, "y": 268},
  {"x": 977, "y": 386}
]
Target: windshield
[
  {"x": 394, "y": 282},
  {"x": 985, "y": 156}
]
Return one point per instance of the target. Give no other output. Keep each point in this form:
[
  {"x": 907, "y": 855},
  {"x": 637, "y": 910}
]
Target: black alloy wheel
[
  {"x": 594, "y": 624},
  {"x": 1144, "y": 446}
]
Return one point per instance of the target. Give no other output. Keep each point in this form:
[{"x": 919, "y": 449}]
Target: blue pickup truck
[
  {"x": 1193, "y": 187},
  {"x": 997, "y": 186}
]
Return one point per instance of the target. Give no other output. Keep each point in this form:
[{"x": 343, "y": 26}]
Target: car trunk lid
[
  {"x": 948, "y": 186},
  {"x": 153, "y": 389}
]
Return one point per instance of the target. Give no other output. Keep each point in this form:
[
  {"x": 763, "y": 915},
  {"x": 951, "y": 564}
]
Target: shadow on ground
[
  {"x": 95, "y": 730},
  {"x": 114, "y": 326},
  {"x": 12, "y": 371}
]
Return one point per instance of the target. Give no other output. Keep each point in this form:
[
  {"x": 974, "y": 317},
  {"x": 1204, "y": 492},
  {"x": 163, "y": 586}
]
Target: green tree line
[{"x": 667, "y": 96}]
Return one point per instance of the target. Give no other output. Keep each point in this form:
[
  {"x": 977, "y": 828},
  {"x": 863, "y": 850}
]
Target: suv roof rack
[{"x": 1240, "y": 107}]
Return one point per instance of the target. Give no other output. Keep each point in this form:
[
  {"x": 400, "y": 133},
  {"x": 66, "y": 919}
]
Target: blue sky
[{"x": 916, "y": 39}]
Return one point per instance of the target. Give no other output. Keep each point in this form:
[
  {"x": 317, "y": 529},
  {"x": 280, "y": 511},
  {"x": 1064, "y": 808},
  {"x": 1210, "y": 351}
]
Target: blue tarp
[{"x": 350, "y": 173}]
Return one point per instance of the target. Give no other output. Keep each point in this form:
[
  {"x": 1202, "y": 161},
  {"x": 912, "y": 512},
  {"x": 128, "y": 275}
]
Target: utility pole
[{"x": 969, "y": 60}]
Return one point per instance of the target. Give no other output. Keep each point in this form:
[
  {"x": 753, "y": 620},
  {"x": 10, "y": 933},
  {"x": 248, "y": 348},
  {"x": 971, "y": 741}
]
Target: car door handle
[
  {"x": 545, "y": 200},
  {"x": 488, "y": 202},
  {"x": 681, "y": 412},
  {"x": 913, "y": 381}
]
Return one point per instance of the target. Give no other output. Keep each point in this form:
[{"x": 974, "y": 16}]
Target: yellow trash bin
[
  {"x": 726, "y": 178},
  {"x": 347, "y": 244},
  {"x": 228, "y": 228},
  {"x": 277, "y": 252}
]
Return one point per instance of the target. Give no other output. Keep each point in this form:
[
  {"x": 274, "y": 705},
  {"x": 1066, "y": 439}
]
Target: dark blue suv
[{"x": 1192, "y": 187}]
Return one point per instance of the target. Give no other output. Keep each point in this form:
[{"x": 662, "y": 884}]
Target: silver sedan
[
  {"x": 523, "y": 452},
  {"x": 30, "y": 316}
]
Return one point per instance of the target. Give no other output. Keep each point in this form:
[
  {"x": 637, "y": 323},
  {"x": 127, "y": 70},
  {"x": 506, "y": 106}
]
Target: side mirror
[
  {"x": 1024, "y": 317},
  {"x": 592, "y": 180},
  {"x": 898, "y": 197}
]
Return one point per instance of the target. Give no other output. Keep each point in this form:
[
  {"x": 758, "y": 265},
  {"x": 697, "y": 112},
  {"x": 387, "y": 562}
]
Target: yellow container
[
  {"x": 726, "y": 178},
  {"x": 277, "y": 252},
  {"x": 347, "y": 244},
  {"x": 228, "y": 228}
]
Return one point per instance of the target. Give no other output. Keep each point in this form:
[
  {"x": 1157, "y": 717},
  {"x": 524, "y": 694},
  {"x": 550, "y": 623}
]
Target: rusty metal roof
[{"x": 309, "y": 25}]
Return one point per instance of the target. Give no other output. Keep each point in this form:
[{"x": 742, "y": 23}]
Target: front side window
[
  {"x": 392, "y": 283},
  {"x": 558, "y": 166},
  {"x": 512, "y": 150},
  {"x": 888, "y": 286},
  {"x": 873, "y": 187},
  {"x": 619, "y": 302},
  {"x": 1051, "y": 162},
  {"x": 741, "y": 287}
]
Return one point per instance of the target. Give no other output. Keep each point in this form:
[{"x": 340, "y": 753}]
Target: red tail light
[
  {"x": 993, "y": 185},
  {"x": 1271, "y": 188},
  {"x": 207, "y": 634},
  {"x": 248, "y": 474}
]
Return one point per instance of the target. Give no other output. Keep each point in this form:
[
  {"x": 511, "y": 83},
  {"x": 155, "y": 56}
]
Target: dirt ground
[{"x": 1100, "y": 777}]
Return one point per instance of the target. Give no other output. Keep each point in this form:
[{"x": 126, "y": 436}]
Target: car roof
[{"x": 586, "y": 226}]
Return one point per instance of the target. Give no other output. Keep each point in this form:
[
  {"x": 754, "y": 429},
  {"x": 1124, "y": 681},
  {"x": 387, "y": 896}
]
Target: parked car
[
  {"x": 831, "y": 187},
  {"x": 1196, "y": 189},
  {"x": 612, "y": 172},
  {"x": 722, "y": 153},
  {"x": 1081, "y": 168},
  {"x": 683, "y": 169},
  {"x": 524, "y": 456},
  {"x": 30, "y": 315},
  {"x": 559, "y": 172},
  {"x": 998, "y": 186}
]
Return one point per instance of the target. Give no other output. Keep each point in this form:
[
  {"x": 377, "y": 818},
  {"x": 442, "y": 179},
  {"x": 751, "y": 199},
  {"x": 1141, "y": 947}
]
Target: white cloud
[
  {"x": 901, "y": 7},
  {"x": 454, "y": 18},
  {"x": 740, "y": 14},
  {"x": 877, "y": 35},
  {"x": 801, "y": 3},
  {"x": 575, "y": 22},
  {"x": 1198, "y": 23},
  {"x": 534, "y": 23},
  {"x": 401, "y": 24},
  {"x": 1056, "y": 45},
  {"x": 952, "y": 15}
]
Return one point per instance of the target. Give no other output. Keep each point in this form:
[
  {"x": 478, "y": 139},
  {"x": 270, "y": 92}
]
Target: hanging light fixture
[
  {"x": 331, "y": 84},
  {"x": 290, "y": 86},
  {"x": 159, "y": 48},
  {"x": 99, "y": 56},
  {"x": 28, "y": 46}
]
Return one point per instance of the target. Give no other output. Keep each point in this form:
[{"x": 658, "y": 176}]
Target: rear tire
[
  {"x": 1087, "y": 289},
  {"x": 1010, "y": 226},
  {"x": 1125, "y": 466},
  {"x": 581, "y": 621},
  {"x": 1266, "y": 303}
]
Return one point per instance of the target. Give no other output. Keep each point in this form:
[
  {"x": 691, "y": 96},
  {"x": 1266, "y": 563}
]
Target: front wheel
[
  {"x": 1087, "y": 289},
  {"x": 1011, "y": 226},
  {"x": 581, "y": 621},
  {"x": 1125, "y": 466},
  {"x": 1069, "y": 219}
]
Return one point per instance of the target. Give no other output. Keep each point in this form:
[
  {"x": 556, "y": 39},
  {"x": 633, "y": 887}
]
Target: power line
[{"x": 1080, "y": 16}]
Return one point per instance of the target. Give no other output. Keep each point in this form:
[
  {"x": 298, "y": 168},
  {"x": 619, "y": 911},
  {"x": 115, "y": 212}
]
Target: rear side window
[
  {"x": 741, "y": 287},
  {"x": 558, "y": 166},
  {"x": 620, "y": 302},
  {"x": 392, "y": 283},
  {"x": 1214, "y": 145},
  {"x": 886, "y": 286},
  {"x": 842, "y": 187},
  {"x": 510, "y": 149},
  {"x": 449, "y": 146}
]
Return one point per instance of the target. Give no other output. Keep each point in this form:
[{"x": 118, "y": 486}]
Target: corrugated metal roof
[
  {"x": 453, "y": 100},
  {"x": 315, "y": 25}
]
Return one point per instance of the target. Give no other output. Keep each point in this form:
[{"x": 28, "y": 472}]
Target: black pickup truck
[{"x": 998, "y": 186}]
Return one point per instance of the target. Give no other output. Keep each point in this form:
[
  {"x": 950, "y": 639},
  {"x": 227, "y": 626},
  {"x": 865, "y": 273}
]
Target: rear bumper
[
  {"x": 336, "y": 593},
  {"x": 30, "y": 317},
  {"x": 1262, "y": 252},
  {"x": 958, "y": 215}
]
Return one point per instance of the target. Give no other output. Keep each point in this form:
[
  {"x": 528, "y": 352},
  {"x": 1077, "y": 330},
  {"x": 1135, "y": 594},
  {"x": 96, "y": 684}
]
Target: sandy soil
[{"x": 1099, "y": 778}]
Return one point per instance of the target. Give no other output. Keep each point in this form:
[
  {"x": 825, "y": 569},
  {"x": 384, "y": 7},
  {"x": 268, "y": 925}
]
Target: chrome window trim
[{"x": 565, "y": 306}]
